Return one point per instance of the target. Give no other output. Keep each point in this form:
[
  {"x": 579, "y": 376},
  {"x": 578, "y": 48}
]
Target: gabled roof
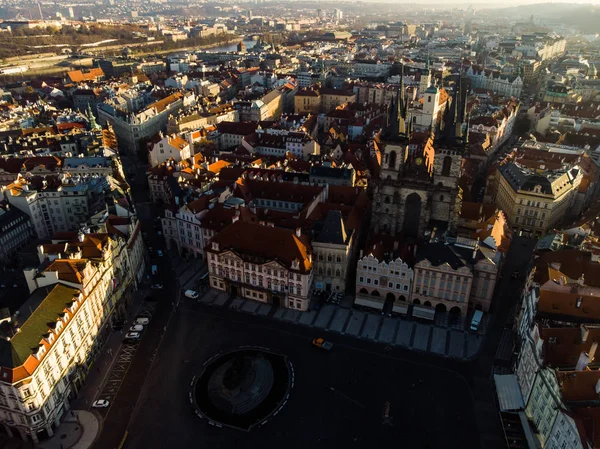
[
  {"x": 37, "y": 316},
  {"x": 439, "y": 254},
  {"x": 264, "y": 244},
  {"x": 69, "y": 270},
  {"x": 332, "y": 229}
]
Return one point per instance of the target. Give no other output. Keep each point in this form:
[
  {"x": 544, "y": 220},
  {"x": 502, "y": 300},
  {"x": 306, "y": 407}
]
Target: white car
[
  {"x": 191, "y": 294},
  {"x": 101, "y": 403},
  {"x": 136, "y": 328},
  {"x": 132, "y": 336},
  {"x": 159, "y": 252},
  {"x": 156, "y": 286},
  {"x": 143, "y": 321}
]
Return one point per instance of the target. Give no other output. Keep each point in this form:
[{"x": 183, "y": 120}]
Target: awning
[
  {"x": 423, "y": 312},
  {"x": 369, "y": 303},
  {"x": 508, "y": 392},
  {"x": 400, "y": 308}
]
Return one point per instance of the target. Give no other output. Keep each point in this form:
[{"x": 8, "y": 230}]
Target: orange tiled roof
[
  {"x": 178, "y": 142},
  {"x": 70, "y": 270}
]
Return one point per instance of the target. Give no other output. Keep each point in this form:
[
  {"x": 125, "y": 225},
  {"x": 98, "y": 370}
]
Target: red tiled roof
[{"x": 264, "y": 244}]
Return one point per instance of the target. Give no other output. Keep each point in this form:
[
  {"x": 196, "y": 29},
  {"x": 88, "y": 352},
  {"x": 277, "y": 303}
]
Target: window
[
  {"x": 361, "y": 280},
  {"x": 368, "y": 280},
  {"x": 36, "y": 418},
  {"x": 390, "y": 285},
  {"x": 375, "y": 281}
]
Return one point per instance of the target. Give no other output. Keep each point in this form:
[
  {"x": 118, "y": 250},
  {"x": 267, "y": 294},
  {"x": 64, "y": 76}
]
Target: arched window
[
  {"x": 328, "y": 257},
  {"x": 441, "y": 197},
  {"x": 446, "y": 166},
  {"x": 392, "y": 160},
  {"x": 320, "y": 270},
  {"x": 328, "y": 271},
  {"x": 338, "y": 273},
  {"x": 338, "y": 259},
  {"x": 387, "y": 200}
]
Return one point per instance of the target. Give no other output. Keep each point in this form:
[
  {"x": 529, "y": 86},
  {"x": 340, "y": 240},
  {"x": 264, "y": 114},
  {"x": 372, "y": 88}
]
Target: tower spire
[
  {"x": 401, "y": 105},
  {"x": 457, "y": 103}
]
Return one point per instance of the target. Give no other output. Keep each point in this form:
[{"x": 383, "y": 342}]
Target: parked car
[
  {"x": 101, "y": 403},
  {"x": 322, "y": 344},
  {"x": 156, "y": 286},
  {"x": 142, "y": 320},
  {"x": 191, "y": 294},
  {"x": 132, "y": 336},
  {"x": 136, "y": 328}
]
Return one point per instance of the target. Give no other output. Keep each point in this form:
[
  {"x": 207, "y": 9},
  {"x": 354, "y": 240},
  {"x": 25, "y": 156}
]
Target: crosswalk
[{"x": 391, "y": 331}]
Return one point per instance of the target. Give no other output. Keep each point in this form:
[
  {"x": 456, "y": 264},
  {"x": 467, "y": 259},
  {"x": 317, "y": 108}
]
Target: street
[{"x": 338, "y": 399}]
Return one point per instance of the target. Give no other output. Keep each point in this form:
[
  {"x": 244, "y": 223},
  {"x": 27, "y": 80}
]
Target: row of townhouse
[
  {"x": 48, "y": 345},
  {"x": 552, "y": 397},
  {"x": 433, "y": 277}
]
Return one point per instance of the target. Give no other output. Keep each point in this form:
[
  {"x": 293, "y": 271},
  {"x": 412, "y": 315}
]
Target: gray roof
[
  {"x": 332, "y": 229},
  {"x": 331, "y": 172},
  {"x": 438, "y": 254},
  {"x": 522, "y": 181}
]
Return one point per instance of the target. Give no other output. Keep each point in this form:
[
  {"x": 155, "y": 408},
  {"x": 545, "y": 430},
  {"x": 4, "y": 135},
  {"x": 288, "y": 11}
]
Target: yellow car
[{"x": 322, "y": 343}]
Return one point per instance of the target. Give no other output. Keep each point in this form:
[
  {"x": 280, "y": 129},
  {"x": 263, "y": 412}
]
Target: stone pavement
[
  {"x": 78, "y": 430},
  {"x": 188, "y": 272},
  {"x": 435, "y": 338}
]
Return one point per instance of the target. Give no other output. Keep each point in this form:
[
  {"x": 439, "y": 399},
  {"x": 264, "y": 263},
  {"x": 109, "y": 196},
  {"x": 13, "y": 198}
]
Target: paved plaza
[{"x": 433, "y": 337}]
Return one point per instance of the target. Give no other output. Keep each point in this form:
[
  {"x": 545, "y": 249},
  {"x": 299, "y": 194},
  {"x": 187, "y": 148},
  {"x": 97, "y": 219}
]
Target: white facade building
[{"x": 378, "y": 281}]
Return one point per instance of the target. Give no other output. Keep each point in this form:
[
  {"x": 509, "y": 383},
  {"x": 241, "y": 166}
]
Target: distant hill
[{"x": 583, "y": 17}]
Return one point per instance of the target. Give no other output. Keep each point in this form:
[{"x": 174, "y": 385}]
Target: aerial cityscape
[{"x": 274, "y": 223}]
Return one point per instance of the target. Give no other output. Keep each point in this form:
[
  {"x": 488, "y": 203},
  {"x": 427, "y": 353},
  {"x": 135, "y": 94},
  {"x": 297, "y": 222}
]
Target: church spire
[
  {"x": 401, "y": 105},
  {"x": 457, "y": 109}
]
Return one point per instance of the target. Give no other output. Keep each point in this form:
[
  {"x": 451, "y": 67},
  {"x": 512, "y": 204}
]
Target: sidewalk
[
  {"x": 391, "y": 331},
  {"x": 100, "y": 370},
  {"x": 78, "y": 430}
]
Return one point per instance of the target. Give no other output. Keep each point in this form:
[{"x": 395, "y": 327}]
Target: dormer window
[
  {"x": 40, "y": 352},
  {"x": 215, "y": 246},
  {"x": 295, "y": 264}
]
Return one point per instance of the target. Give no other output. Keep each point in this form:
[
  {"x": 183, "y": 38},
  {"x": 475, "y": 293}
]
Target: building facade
[
  {"x": 378, "y": 281},
  {"x": 16, "y": 231},
  {"x": 442, "y": 280},
  {"x": 533, "y": 201},
  {"x": 52, "y": 342},
  {"x": 332, "y": 245},
  {"x": 273, "y": 265}
]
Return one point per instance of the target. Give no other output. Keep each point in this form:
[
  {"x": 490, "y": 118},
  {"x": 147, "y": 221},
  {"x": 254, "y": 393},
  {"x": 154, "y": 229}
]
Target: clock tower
[{"x": 418, "y": 189}]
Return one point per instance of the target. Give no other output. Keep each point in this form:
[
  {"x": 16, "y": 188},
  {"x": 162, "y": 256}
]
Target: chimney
[
  {"x": 581, "y": 280},
  {"x": 80, "y": 236},
  {"x": 270, "y": 224},
  {"x": 585, "y": 332},
  {"x": 592, "y": 351},
  {"x": 298, "y": 232},
  {"x": 598, "y": 387},
  {"x": 582, "y": 363},
  {"x": 235, "y": 218}
]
